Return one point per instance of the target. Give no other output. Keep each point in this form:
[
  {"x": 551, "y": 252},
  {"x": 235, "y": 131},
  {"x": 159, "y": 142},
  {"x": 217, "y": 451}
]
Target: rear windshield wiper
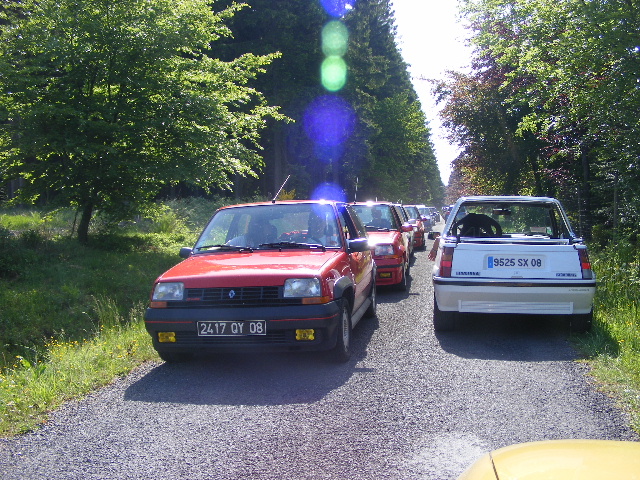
[{"x": 223, "y": 246}]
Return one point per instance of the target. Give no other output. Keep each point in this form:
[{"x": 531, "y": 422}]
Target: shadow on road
[
  {"x": 252, "y": 378},
  {"x": 529, "y": 338}
]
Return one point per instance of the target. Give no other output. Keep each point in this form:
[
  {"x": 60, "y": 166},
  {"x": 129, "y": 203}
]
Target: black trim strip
[{"x": 503, "y": 283}]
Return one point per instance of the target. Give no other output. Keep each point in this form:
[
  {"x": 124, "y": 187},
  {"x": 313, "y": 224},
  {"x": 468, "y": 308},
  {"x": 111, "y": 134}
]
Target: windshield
[
  {"x": 376, "y": 217},
  {"x": 271, "y": 226},
  {"x": 513, "y": 219}
]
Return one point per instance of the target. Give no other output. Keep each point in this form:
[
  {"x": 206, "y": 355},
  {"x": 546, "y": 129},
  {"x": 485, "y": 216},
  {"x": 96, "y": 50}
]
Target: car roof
[
  {"x": 506, "y": 199},
  {"x": 286, "y": 202}
]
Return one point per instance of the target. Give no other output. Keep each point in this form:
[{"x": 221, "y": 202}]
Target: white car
[{"x": 514, "y": 255}]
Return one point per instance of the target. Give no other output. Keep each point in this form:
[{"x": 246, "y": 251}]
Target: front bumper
[
  {"x": 281, "y": 325},
  {"x": 521, "y": 296}
]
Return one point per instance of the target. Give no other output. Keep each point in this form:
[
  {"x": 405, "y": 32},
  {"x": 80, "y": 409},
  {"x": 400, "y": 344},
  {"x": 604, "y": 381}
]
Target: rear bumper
[
  {"x": 281, "y": 325},
  {"x": 388, "y": 273},
  {"x": 527, "y": 297}
]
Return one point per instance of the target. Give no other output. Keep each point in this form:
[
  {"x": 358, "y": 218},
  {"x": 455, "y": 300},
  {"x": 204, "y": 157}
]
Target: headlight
[
  {"x": 302, "y": 287},
  {"x": 168, "y": 291},
  {"x": 381, "y": 250}
]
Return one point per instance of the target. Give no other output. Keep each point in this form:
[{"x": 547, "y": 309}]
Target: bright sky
[{"x": 432, "y": 41}]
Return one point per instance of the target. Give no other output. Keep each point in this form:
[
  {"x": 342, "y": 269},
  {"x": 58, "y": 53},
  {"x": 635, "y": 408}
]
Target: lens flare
[
  {"x": 335, "y": 38},
  {"x": 333, "y": 73},
  {"x": 329, "y": 191},
  {"x": 338, "y": 8},
  {"x": 328, "y": 121}
]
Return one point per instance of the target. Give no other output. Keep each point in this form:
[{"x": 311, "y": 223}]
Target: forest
[
  {"x": 109, "y": 106},
  {"x": 550, "y": 107}
]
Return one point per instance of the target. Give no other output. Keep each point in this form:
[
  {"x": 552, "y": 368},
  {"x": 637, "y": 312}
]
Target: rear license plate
[
  {"x": 515, "y": 262},
  {"x": 232, "y": 329}
]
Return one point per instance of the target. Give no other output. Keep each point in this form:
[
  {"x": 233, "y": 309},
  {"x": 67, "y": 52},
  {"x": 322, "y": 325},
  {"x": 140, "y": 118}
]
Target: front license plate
[
  {"x": 232, "y": 329},
  {"x": 515, "y": 262}
]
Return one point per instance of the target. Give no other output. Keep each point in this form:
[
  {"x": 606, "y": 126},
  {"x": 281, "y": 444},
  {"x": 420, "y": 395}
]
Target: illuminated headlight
[
  {"x": 168, "y": 291},
  {"x": 381, "y": 250},
  {"x": 302, "y": 287}
]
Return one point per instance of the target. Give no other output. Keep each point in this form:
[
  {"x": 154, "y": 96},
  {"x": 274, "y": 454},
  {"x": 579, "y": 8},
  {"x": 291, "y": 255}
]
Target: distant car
[
  {"x": 418, "y": 221},
  {"x": 515, "y": 255},
  {"x": 409, "y": 233},
  {"x": 434, "y": 214},
  {"x": 389, "y": 241},
  {"x": 286, "y": 275},
  {"x": 559, "y": 459}
]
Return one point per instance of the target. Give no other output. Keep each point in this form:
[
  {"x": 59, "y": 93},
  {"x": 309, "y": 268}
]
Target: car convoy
[{"x": 298, "y": 275}]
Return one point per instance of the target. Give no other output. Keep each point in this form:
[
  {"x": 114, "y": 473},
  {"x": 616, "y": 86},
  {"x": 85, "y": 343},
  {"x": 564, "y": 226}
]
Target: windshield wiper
[
  {"x": 224, "y": 246},
  {"x": 282, "y": 245}
]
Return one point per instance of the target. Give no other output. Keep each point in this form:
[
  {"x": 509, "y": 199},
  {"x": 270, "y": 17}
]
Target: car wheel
[
  {"x": 443, "y": 321},
  {"x": 173, "y": 357},
  {"x": 342, "y": 351},
  {"x": 404, "y": 281},
  {"x": 581, "y": 323},
  {"x": 373, "y": 296}
]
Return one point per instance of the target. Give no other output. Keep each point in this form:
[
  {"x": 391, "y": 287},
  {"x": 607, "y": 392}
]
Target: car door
[{"x": 361, "y": 263}]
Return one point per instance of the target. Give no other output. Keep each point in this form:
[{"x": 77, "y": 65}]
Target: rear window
[{"x": 520, "y": 219}]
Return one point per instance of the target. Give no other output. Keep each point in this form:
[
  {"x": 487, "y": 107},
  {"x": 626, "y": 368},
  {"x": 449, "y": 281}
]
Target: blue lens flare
[
  {"x": 329, "y": 121},
  {"x": 329, "y": 191},
  {"x": 338, "y": 8}
]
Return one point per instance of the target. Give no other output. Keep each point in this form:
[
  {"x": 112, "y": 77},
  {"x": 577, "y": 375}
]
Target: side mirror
[
  {"x": 358, "y": 245},
  {"x": 433, "y": 235},
  {"x": 406, "y": 228},
  {"x": 185, "y": 252}
]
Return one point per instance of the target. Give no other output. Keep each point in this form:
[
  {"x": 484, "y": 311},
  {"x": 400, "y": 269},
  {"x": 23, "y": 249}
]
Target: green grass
[
  {"x": 613, "y": 345},
  {"x": 71, "y": 316}
]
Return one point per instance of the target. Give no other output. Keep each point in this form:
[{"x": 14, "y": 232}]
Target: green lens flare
[
  {"x": 335, "y": 37},
  {"x": 333, "y": 73}
]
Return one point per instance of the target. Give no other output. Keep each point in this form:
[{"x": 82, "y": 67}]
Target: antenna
[
  {"x": 355, "y": 195},
  {"x": 281, "y": 187}
]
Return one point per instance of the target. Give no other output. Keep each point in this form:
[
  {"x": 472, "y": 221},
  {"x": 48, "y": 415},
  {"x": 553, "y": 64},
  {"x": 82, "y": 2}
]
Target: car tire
[
  {"x": 443, "y": 321},
  {"x": 372, "y": 310},
  {"x": 173, "y": 357},
  {"x": 403, "y": 285},
  {"x": 581, "y": 323},
  {"x": 341, "y": 353}
]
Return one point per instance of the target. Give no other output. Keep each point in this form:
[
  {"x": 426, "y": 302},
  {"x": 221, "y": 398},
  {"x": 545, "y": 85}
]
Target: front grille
[
  {"x": 278, "y": 337},
  {"x": 233, "y": 297}
]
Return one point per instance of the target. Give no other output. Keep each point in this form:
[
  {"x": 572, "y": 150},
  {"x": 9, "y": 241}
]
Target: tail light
[
  {"x": 446, "y": 261},
  {"x": 585, "y": 264}
]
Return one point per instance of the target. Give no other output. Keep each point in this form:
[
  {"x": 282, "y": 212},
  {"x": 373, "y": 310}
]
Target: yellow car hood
[{"x": 560, "y": 460}]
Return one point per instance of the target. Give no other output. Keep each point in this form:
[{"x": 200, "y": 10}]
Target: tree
[{"x": 107, "y": 102}]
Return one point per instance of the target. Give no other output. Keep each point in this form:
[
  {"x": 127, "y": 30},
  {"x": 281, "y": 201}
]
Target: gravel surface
[{"x": 409, "y": 405}]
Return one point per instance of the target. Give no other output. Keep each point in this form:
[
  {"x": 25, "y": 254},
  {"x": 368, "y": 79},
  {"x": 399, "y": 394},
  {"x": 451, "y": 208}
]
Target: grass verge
[{"x": 71, "y": 369}]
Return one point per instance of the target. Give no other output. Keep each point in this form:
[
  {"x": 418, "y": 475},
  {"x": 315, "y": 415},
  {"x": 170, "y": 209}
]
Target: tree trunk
[{"x": 85, "y": 219}]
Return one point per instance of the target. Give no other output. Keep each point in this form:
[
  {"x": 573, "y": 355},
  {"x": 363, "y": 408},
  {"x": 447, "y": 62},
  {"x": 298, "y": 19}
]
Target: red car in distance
[
  {"x": 418, "y": 221},
  {"x": 389, "y": 241}
]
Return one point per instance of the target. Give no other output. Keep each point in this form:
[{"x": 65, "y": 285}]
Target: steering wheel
[{"x": 477, "y": 225}]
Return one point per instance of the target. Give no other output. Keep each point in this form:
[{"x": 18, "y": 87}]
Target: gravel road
[{"x": 409, "y": 405}]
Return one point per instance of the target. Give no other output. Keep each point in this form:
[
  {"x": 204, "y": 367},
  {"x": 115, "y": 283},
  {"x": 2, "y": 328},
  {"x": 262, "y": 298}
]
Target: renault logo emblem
[{"x": 232, "y": 293}]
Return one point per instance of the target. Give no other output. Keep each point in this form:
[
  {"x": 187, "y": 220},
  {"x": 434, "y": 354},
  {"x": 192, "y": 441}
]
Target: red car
[
  {"x": 389, "y": 239},
  {"x": 417, "y": 220},
  {"x": 287, "y": 275}
]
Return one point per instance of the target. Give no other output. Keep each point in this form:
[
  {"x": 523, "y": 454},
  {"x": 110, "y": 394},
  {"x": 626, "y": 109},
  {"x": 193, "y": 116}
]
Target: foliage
[
  {"x": 613, "y": 346},
  {"x": 107, "y": 102},
  {"x": 377, "y": 76},
  {"x": 562, "y": 78}
]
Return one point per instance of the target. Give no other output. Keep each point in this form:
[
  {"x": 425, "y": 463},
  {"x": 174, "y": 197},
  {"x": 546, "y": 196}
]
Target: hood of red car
[{"x": 258, "y": 268}]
